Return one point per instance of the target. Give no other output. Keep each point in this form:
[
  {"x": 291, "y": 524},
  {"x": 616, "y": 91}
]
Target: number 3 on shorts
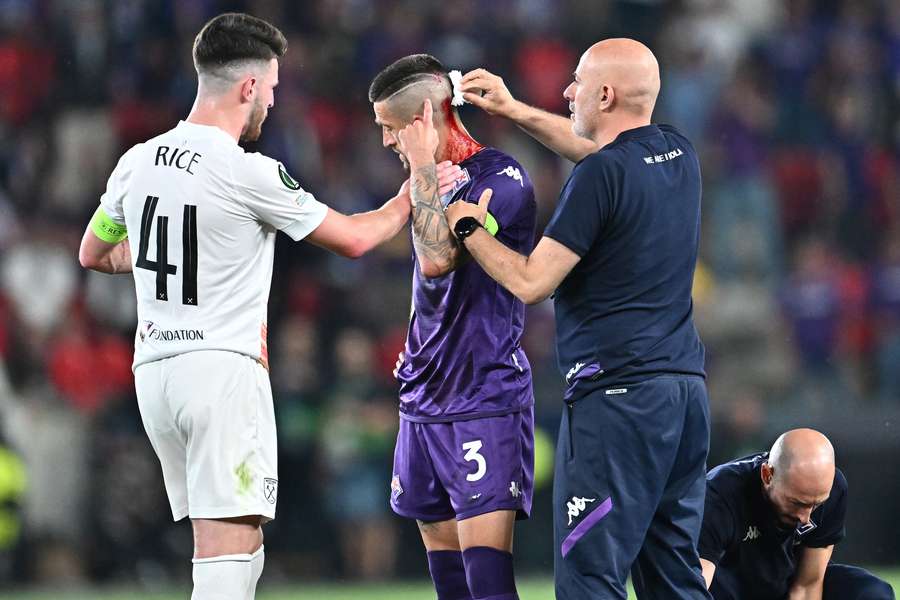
[{"x": 472, "y": 449}]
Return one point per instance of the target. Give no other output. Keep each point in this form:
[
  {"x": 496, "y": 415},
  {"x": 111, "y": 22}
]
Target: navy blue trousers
[
  {"x": 628, "y": 491},
  {"x": 842, "y": 582}
]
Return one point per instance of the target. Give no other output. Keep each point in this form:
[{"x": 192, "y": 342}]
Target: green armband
[
  {"x": 490, "y": 223},
  {"x": 106, "y": 229}
]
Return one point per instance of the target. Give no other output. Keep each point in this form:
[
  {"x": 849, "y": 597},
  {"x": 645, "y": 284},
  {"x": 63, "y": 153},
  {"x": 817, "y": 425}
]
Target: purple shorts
[{"x": 461, "y": 469}]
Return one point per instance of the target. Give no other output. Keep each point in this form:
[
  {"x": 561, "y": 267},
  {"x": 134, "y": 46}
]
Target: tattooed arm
[{"x": 436, "y": 248}]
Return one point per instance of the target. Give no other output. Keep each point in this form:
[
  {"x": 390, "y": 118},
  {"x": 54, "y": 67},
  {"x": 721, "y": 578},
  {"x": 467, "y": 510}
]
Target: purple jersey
[{"x": 463, "y": 358}]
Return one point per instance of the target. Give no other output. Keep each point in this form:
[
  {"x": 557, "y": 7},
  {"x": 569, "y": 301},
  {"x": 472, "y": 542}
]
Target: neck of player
[
  {"x": 215, "y": 111},
  {"x": 607, "y": 135},
  {"x": 458, "y": 145}
]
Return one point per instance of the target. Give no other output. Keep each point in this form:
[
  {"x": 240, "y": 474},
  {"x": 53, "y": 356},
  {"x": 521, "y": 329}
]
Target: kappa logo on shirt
[
  {"x": 513, "y": 173},
  {"x": 577, "y": 506},
  {"x": 514, "y": 489},
  {"x": 752, "y": 534},
  {"x": 574, "y": 371}
]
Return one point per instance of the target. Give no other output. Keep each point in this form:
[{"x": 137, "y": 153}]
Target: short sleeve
[
  {"x": 274, "y": 197},
  {"x": 511, "y": 190},
  {"x": 117, "y": 187},
  {"x": 718, "y": 527},
  {"x": 582, "y": 209},
  {"x": 830, "y": 527}
]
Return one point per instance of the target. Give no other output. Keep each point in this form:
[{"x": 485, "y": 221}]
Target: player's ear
[
  {"x": 249, "y": 89},
  {"x": 766, "y": 473}
]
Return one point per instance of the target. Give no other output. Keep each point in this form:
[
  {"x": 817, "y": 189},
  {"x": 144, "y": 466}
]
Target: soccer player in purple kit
[{"x": 463, "y": 465}]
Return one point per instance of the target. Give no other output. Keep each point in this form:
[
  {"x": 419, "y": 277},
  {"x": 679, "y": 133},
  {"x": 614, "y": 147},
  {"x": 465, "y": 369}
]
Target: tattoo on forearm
[{"x": 431, "y": 232}]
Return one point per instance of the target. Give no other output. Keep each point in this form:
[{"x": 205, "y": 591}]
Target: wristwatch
[{"x": 465, "y": 227}]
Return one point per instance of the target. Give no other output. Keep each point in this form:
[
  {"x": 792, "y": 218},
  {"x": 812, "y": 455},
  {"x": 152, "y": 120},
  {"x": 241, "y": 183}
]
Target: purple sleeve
[{"x": 512, "y": 191}]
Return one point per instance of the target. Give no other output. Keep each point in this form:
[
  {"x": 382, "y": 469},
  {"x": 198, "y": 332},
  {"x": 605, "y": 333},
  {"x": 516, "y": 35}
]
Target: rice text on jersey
[{"x": 172, "y": 157}]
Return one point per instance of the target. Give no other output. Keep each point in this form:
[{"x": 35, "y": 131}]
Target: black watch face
[{"x": 466, "y": 226}]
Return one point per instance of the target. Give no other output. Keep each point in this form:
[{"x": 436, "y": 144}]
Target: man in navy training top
[
  {"x": 620, "y": 253},
  {"x": 464, "y": 461},
  {"x": 771, "y": 522}
]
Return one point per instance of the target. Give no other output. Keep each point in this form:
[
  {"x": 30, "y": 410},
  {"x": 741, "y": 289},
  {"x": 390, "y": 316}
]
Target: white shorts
[{"x": 210, "y": 419}]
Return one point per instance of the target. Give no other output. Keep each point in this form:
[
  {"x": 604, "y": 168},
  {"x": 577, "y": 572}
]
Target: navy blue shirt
[
  {"x": 631, "y": 211},
  {"x": 740, "y": 532}
]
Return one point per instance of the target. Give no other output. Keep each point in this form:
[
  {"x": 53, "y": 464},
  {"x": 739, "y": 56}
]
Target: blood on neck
[{"x": 459, "y": 144}]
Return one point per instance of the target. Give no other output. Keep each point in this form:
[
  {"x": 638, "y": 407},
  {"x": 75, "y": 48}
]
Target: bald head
[
  {"x": 630, "y": 68},
  {"x": 804, "y": 454},
  {"x": 799, "y": 474},
  {"x": 615, "y": 89}
]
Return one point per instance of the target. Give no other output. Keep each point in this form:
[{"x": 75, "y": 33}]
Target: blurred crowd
[{"x": 794, "y": 106}]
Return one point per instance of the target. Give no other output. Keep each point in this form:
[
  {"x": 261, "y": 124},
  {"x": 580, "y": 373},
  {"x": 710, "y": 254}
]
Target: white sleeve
[
  {"x": 274, "y": 197},
  {"x": 117, "y": 187}
]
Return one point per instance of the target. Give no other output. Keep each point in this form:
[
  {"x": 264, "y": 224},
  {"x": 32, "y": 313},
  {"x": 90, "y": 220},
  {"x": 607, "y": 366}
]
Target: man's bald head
[
  {"x": 799, "y": 473},
  {"x": 803, "y": 454},
  {"x": 615, "y": 88},
  {"x": 630, "y": 68}
]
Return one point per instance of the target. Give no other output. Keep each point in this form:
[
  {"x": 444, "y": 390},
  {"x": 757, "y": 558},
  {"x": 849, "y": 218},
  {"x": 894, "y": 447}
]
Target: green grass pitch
[{"x": 529, "y": 589}]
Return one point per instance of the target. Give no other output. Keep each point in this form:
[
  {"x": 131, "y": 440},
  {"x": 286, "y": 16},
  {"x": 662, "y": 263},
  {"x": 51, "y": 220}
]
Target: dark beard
[{"x": 253, "y": 128}]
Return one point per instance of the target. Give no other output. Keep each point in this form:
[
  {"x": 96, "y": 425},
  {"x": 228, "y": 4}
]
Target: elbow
[
  {"x": 355, "y": 251},
  {"x": 532, "y": 295},
  {"x": 86, "y": 260},
  {"x": 355, "y": 247},
  {"x": 433, "y": 271}
]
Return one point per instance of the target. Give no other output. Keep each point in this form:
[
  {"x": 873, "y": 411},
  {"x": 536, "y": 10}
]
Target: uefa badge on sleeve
[{"x": 289, "y": 182}]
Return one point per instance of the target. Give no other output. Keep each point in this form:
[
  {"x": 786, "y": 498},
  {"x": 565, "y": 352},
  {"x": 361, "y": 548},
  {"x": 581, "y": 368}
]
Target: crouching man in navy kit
[
  {"x": 771, "y": 522},
  {"x": 620, "y": 253}
]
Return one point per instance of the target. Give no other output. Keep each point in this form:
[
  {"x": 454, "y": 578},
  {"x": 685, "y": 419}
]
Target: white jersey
[{"x": 201, "y": 216}]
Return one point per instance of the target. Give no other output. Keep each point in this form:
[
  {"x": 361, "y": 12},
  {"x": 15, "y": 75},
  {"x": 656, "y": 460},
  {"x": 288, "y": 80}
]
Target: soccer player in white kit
[{"x": 194, "y": 217}]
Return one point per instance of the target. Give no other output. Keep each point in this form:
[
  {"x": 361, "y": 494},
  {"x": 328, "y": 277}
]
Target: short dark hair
[
  {"x": 233, "y": 37},
  {"x": 403, "y": 72}
]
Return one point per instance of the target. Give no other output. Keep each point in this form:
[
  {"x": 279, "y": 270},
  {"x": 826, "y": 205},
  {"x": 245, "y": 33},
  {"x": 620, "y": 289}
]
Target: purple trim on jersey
[
  {"x": 585, "y": 372},
  {"x": 582, "y": 528}
]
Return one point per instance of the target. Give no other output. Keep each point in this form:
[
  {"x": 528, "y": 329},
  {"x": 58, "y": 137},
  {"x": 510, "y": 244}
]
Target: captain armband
[
  {"x": 106, "y": 229},
  {"x": 491, "y": 224}
]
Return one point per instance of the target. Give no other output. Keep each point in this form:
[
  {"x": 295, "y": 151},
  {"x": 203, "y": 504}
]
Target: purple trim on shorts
[
  {"x": 588, "y": 522},
  {"x": 586, "y": 372}
]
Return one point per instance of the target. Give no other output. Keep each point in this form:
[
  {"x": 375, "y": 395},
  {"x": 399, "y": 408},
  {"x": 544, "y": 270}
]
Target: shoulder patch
[
  {"x": 513, "y": 173},
  {"x": 286, "y": 179},
  {"x": 461, "y": 181}
]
